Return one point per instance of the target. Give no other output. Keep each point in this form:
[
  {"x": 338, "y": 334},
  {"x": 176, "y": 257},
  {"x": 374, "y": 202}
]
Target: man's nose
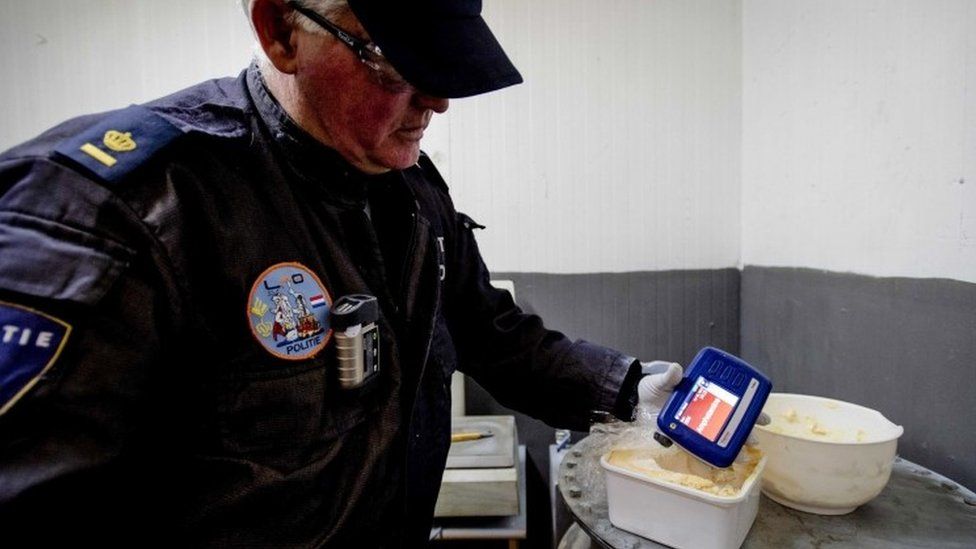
[{"x": 432, "y": 102}]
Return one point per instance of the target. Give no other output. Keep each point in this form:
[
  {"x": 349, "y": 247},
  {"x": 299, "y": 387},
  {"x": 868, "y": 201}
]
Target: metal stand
[
  {"x": 918, "y": 508},
  {"x": 511, "y": 528}
]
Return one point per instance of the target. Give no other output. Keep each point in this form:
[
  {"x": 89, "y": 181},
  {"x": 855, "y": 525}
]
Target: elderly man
[{"x": 169, "y": 368}]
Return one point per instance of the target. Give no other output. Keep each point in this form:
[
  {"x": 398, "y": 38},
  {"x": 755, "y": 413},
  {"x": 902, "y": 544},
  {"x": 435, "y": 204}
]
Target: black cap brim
[{"x": 446, "y": 55}]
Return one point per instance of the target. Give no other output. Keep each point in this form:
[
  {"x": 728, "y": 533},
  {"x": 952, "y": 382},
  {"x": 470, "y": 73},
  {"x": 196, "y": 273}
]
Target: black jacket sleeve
[
  {"x": 522, "y": 363},
  {"x": 68, "y": 441}
]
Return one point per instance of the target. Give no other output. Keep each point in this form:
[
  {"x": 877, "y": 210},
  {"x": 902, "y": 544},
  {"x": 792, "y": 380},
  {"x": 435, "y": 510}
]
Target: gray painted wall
[
  {"x": 905, "y": 347},
  {"x": 666, "y": 315}
]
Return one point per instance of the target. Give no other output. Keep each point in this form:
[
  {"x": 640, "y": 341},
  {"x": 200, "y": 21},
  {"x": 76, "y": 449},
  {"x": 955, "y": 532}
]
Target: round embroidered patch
[{"x": 288, "y": 311}]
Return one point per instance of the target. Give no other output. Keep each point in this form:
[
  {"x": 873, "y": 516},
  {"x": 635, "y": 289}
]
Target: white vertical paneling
[
  {"x": 62, "y": 58},
  {"x": 859, "y": 136},
  {"x": 620, "y": 152}
]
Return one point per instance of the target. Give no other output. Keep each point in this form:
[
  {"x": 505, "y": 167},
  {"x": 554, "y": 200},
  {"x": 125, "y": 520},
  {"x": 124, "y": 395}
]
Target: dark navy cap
[{"x": 443, "y": 47}]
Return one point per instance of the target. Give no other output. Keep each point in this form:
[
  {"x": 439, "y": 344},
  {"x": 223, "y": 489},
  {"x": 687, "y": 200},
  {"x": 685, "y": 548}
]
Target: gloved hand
[
  {"x": 763, "y": 419},
  {"x": 659, "y": 380}
]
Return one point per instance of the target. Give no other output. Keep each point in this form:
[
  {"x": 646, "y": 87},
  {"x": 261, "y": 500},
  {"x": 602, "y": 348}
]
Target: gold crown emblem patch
[{"x": 118, "y": 141}]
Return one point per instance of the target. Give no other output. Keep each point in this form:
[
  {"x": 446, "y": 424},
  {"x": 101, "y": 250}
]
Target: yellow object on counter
[
  {"x": 461, "y": 437},
  {"x": 677, "y": 466}
]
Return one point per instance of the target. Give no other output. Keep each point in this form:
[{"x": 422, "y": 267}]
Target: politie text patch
[
  {"x": 288, "y": 310},
  {"x": 30, "y": 342}
]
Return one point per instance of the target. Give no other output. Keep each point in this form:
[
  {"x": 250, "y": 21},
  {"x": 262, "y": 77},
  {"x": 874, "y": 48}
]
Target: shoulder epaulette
[{"x": 120, "y": 143}]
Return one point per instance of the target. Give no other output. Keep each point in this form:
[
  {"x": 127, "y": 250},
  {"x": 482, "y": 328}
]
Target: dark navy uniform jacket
[{"x": 167, "y": 374}]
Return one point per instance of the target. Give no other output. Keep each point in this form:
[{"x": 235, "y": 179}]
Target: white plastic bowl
[
  {"x": 679, "y": 516},
  {"x": 831, "y": 473}
]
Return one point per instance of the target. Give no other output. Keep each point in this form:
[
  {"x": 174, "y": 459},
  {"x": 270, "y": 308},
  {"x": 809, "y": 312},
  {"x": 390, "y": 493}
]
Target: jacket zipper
[
  {"x": 405, "y": 268},
  {"x": 423, "y": 363}
]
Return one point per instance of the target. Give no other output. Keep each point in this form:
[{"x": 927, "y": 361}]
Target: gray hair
[{"x": 330, "y": 9}]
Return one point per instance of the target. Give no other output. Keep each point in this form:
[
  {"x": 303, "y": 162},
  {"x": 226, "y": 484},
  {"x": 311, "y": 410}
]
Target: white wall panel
[
  {"x": 859, "y": 136},
  {"x": 624, "y": 149},
  {"x": 62, "y": 58},
  {"x": 621, "y": 152}
]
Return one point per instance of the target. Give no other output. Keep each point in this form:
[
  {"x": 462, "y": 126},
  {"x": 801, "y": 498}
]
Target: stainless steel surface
[
  {"x": 576, "y": 538},
  {"x": 918, "y": 508},
  {"x": 496, "y": 451},
  {"x": 474, "y": 528}
]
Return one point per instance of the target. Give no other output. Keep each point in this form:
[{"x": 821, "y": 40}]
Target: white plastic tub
[{"x": 679, "y": 516}]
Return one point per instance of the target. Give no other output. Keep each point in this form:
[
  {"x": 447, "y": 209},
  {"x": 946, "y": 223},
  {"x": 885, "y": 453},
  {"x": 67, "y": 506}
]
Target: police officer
[{"x": 169, "y": 276}]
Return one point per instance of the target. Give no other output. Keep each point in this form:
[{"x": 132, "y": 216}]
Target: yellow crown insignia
[
  {"x": 118, "y": 141},
  {"x": 259, "y": 308}
]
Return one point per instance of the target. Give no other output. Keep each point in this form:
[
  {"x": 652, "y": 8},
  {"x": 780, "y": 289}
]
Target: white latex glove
[
  {"x": 763, "y": 419},
  {"x": 659, "y": 380}
]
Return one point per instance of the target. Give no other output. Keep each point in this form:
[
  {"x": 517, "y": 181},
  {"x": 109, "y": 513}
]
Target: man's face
[{"x": 375, "y": 127}]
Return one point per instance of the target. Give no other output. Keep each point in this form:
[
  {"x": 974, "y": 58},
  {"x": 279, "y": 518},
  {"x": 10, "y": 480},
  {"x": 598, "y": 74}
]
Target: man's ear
[{"x": 278, "y": 38}]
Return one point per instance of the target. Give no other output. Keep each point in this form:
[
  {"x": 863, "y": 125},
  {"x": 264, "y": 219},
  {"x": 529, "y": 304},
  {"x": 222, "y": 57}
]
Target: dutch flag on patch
[{"x": 317, "y": 301}]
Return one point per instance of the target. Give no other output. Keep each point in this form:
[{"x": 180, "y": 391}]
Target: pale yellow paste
[
  {"x": 791, "y": 423},
  {"x": 676, "y": 466}
]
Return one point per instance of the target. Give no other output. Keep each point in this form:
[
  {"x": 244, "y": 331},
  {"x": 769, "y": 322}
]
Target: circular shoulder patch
[{"x": 288, "y": 311}]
